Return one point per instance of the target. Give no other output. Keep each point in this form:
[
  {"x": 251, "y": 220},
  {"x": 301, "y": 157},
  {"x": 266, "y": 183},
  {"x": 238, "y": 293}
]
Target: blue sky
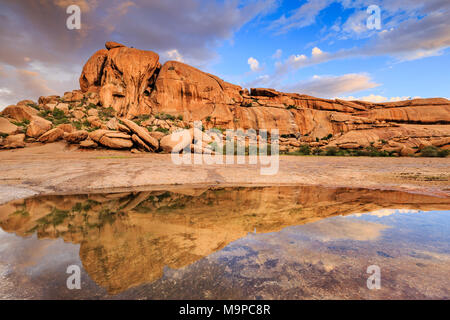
[
  {"x": 317, "y": 47},
  {"x": 389, "y": 74}
]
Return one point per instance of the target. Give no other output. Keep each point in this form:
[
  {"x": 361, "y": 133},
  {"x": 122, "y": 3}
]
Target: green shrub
[
  {"x": 77, "y": 124},
  {"x": 23, "y": 123},
  {"x": 58, "y": 117},
  {"x": 432, "y": 151},
  {"x": 164, "y": 116},
  {"x": 342, "y": 153},
  {"x": 86, "y": 123},
  {"x": 443, "y": 153},
  {"x": 304, "y": 149},
  {"x": 44, "y": 113},
  {"x": 163, "y": 130},
  {"x": 429, "y": 151},
  {"x": 90, "y": 106},
  {"x": 106, "y": 113},
  {"x": 291, "y": 107},
  {"x": 33, "y": 105},
  {"x": 92, "y": 129},
  {"x": 331, "y": 151}
]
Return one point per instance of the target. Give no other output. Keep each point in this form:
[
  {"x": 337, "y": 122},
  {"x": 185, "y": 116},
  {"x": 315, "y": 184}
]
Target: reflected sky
[{"x": 225, "y": 243}]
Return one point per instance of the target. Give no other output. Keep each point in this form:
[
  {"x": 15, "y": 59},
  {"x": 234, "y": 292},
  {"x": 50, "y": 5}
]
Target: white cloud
[
  {"x": 174, "y": 55},
  {"x": 412, "y": 39},
  {"x": 302, "y": 17},
  {"x": 378, "y": 98},
  {"x": 4, "y": 91},
  {"x": 413, "y": 29},
  {"x": 277, "y": 54},
  {"x": 316, "y": 52},
  {"x": 195, "y": 27},
  {"x": 254, "y": 64},
  {"x": 295, "y": 62},
  {"x": 261, "y": 81},
  {"x": 331, "y": 86},
  {"x": 356, "y": 23}
]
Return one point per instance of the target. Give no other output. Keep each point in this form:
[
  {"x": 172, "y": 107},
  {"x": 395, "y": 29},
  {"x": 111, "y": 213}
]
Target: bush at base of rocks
[{"x": 432, "y": 151}]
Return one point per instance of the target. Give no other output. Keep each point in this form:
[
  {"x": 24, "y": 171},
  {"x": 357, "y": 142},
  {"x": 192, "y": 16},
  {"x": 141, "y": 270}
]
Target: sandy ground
[{"x": 56, "y": 168}]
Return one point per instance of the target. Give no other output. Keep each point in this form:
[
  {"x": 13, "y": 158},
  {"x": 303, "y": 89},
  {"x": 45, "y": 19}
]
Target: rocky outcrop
[
  {"x": 179, "y": 89},
  {"x": 122, "y": 76},
  {"x": 125, "y": 89}
]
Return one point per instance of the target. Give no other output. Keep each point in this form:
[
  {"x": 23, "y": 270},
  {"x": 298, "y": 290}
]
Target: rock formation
[{"x": 131, "y": 91}]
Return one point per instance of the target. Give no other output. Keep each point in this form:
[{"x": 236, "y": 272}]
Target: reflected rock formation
[{"x": 126, "y": 239}]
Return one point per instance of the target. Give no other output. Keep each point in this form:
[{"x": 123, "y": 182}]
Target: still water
[{"x": 227, "y": 243}]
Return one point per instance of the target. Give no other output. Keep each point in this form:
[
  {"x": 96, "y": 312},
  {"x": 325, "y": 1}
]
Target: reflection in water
[{"x": 222, "y": 242}]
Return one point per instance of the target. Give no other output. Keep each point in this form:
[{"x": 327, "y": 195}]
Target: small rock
[
  {"x": 48, "y": 99},
  {"x": 78, "y": 114},
  {"x": 142, "y": 133},
  {"x": 98, "y": 134},
  {"x": 20, "y": 113},
  {"x": 88, "y": 144},
  {"x": 66, "y": 127},
  {"x": 7, "y": 127},
  {"x": 51, "y": 135},
  {"x": 111, "y": 45},
  {"x": 116, "y": 143},
  {"x": 349, "y": 146},
  {"x": 405, "y": 151},
  {"x": 123, "y": 128},
  {"x": 112, "y": 124},
  {"x": 119, "y": 135},
  {"x": 93, "y": 112},
  {"x": 141, "y": 144},
  {"x": 14, "y": 141},
  {"x": 64, "y": 107},
  {"x": 176, "y": 141},
  {"x": 38, "y": 126},
  {"x": 157, "y": 135},
  {"x": 76, "y": 136}
]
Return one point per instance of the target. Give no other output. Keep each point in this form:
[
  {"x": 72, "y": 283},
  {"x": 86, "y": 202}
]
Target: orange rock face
[
  {"x": 122, "y": 77},
  {"x": 134, "y": 83}
]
